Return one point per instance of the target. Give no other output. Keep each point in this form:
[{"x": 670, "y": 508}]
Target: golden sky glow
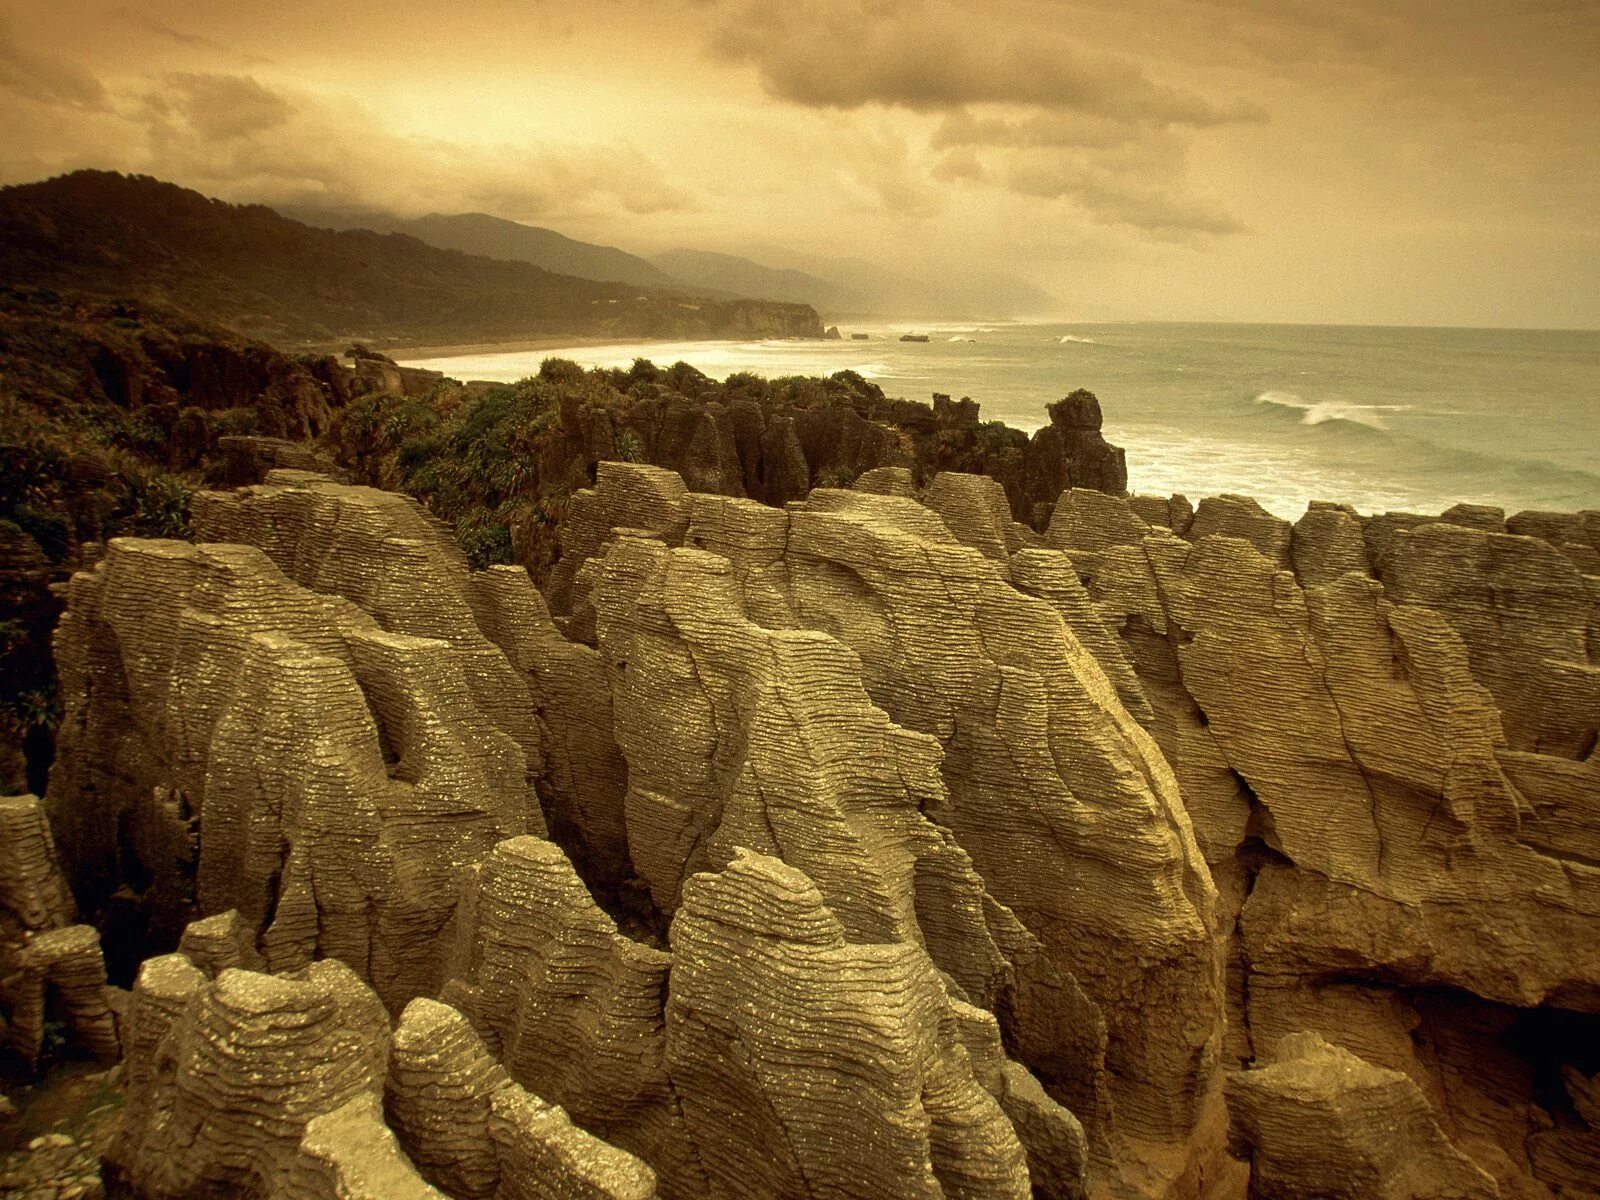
[{"x": 1427, "y": 163}]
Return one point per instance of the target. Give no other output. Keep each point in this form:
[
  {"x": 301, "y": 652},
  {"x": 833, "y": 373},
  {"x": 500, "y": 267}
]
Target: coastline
[{"x": 518, "y": 346}]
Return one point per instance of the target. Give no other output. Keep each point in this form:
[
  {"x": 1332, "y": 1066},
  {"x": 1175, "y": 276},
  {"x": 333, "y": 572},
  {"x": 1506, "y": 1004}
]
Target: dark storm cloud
[
  {"x": 217, "y": 108},
  {"x": 46, "y": 78},
  {"x": 1026, "y": 107},
  {"x": 1112, "y": 198},
  {"x": 932, "y": 58},
  {"x": 1044, "y": 129}
]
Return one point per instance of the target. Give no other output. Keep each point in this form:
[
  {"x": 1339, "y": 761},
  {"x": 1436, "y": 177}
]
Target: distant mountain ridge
[
  {"x": 836, "y": 286},
  {"x": 745, "y": 277},
  {"x": 704, "y": 272},
  {"x": 102, "y": 234},
  {"x": 512, "y": 241}
]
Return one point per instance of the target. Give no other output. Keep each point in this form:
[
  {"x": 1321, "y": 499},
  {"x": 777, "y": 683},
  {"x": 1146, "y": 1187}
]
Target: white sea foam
[
  {"x": 1072, "y": 337},
  {"x": 1320, "y": 412},
  {"x": 932, "y": 327},
  {"x": 720, "y": 359}
]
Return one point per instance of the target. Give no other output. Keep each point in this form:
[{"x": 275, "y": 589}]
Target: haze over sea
[{"x": 1381, "y": 418}]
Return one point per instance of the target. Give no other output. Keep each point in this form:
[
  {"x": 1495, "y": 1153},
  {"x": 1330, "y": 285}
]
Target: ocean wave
[
  {"x": 1435, "y": 467},
  {"x": 1322, "y": 412},
  {"x": 1072, "y": 337},
  {"x": 963, "y": 339}
]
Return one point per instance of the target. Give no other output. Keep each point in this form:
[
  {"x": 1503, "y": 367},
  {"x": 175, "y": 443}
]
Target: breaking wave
[{"x": 1320, "y": 412}]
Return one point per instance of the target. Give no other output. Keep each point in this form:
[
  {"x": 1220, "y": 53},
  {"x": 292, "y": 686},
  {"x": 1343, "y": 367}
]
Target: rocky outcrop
[
  {"x": 49, "y": 966},
  {"x": 774, "y": 442},
  {"x": 875, "y": 844},
  {"x": 772, "y": 1009},
  {"x": 933, "y": 624},
  {"x": 277, "y": 1087},
  {"x": 1336, "y": 702},
  {"x": 1320, "y": 1122},
  {"x": 226, "y": 1076},
  {"x": 341, "y": 773},
  {"x": 475, "y": 1134},
  {"x": 1528, "y": 618},
  {"x": 1070, "y": 452},
  {"x": 570, "y": 1005}
]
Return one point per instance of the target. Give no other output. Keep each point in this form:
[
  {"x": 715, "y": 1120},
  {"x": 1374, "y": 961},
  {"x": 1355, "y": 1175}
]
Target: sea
[{"x": 1381, "y": 418}]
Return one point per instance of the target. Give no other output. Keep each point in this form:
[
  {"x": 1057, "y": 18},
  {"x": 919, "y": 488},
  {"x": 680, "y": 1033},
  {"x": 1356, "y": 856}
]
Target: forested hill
[{"x": 111, "y": 236}]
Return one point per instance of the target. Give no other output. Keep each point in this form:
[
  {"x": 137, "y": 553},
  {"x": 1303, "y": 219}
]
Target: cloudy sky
[{"x": 1382, "y": 161}]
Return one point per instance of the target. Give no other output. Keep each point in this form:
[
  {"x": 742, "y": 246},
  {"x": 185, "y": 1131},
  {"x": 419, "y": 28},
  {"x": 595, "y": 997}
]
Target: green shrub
[
  {"x": 560, "y": 371},
  {"x": 485, "y": 542},
  {"x": 51, "y": 530},
  {"x": 153, "y": 504}
]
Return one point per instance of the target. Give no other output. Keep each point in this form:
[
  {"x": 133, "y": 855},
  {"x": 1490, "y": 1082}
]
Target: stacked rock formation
[
  {"x": 1384, "y": 731},
  {"x": 876, "y": 845},
  {"x": 48, "y": 965}
]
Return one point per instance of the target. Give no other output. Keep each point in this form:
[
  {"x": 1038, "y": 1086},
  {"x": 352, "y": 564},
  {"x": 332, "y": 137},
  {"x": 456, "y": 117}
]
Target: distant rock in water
[
  {"x": 860, "y": 337},
  {"x": 1168, "y": 844},
  {"x": 913, "y": 337},
  {"x": 832, "y": 333}
]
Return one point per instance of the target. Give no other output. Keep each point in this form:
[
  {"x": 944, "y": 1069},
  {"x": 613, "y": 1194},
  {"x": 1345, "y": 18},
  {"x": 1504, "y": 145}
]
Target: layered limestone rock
[
  {"x": 885, "y": 833},
  {"x": 1577, "y": 535},
  {"x": 33, "y": 892},
  {"x": 341, "y": 773},
  {"x": 389, "y": 556},
  {"x": 975, "y": 509},
  {"x": 398, "y": 564},
  {"x": 475, "y": 1134},
  {"x": 439, "y": 1098},
  {"x": 810, "y": 1065},
  {"x": 1339, "y": 742},
  {"x": 570, "y": 1006},
  {"x": 1037, "y": 750},
  {"x": 1320, "y": 1122},
  {"x": 225, "y": 1076},
  {"x": 742, "y": 736},
  {"x": 276, "y": 1087},
  {"x": 48, "y": 965},
  {"x": 1528, "y": 618}
]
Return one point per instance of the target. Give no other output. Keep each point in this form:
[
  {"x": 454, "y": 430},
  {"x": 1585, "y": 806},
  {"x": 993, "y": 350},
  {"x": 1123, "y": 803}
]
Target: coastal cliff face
[{"x": 877, "y": 844}]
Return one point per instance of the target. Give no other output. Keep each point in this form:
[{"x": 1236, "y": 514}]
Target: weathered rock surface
[
  {"x": 341, "y": 772},
  {"x": 809, "y": 1065},
  {"x": 776, "y": 447},
  {"x": 48, "y": 965},
  {"x": 895, "y": 849},
  {"x": 276, "y": 1087},
  {"x": 1320, "y": 1122},
  {"x": 475, "y": 1134},
  {"x": 226, "y": 1076},
  {"x": 1036, "y": 750},
  {"x": 1528, "y": 618},
  {"x": 570, "y": 1006},
  {"x": 1337, "y": 704}
]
